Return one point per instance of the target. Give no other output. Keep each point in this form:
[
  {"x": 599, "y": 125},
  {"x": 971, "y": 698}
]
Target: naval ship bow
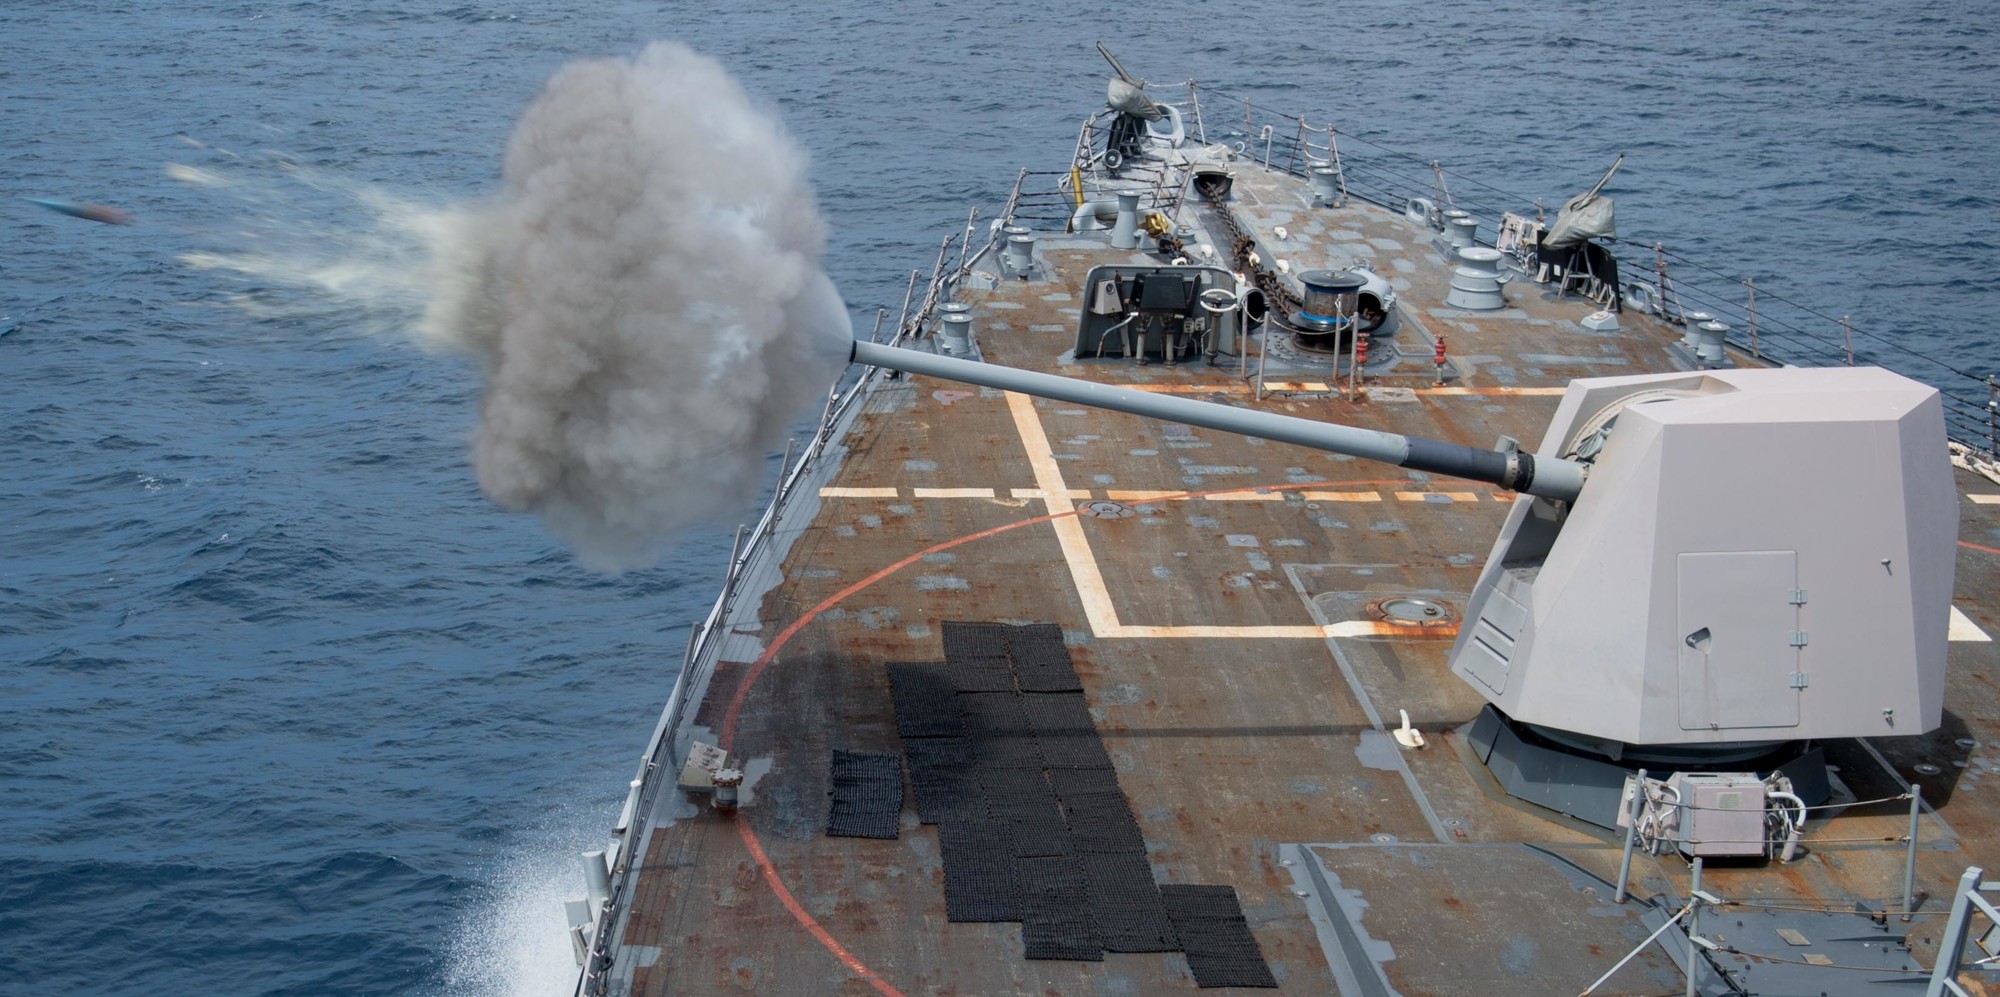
[{"x": 1243, "y": 563}]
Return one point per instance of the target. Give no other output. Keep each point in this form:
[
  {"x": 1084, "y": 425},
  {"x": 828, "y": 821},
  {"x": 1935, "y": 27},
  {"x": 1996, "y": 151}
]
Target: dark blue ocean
[{"x": 287, "y": 707}]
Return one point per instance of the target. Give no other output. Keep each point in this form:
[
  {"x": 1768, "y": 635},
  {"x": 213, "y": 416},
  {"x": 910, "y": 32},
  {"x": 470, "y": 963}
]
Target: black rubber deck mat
[
  {"x": 867, "y": 795},
  {"x": 925, "y": 698},
  {"x": 975, "y": 639},
  {"x": 979, "y": 873},
  {"x": 1126, "y": 904},
  {"x": 1007, "y": 751},
  {"x": 994, "y": 713},
  {"x": 1056, "y": 921},
  {"x": 1069, "y": 782},
  {"x": 1221, "y": 951},
  {"x": 1064, "y": 752},
  {"x": 1033, "y": 636},
  {"x": 1058, "y": 713},
  {"x": 1052, "y": 678},
  {"x": 942, "y": 779},
  {"x": 1032, "y": 824},
  {"x": 981, "y": 673},
  {"x": 1104, "y": 828},
  {"x": 1024, "y": 806}
]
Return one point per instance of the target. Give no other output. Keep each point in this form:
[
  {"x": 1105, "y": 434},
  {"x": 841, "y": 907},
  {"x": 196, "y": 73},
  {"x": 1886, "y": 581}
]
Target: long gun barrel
[{"x": 1516, "y": 470}]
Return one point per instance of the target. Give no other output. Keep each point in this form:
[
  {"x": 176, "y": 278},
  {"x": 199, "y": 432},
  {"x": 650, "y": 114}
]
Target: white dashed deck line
[
  {"x": 952, "y": 492},
  {"x": 837, "y": 492}
]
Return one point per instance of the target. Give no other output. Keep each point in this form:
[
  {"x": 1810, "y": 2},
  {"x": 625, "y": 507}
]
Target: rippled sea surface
[{"x": 286, "y": 707}]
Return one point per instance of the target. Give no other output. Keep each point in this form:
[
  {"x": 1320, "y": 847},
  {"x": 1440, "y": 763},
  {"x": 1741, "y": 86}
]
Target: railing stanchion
[
  {"x": 1910, "y": 854},
  {"x": 1751, "y": 284},
  {"x": 1631, "y": 832}
]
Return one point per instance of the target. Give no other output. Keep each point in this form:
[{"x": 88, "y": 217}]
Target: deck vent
[
  {"x": 1475, "y": 285},
  {"x": 1125, "y": 234}
]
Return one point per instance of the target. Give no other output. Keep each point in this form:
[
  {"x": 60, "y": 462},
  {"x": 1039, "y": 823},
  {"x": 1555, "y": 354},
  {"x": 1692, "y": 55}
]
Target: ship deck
[{"x": 1253, "y": 746}]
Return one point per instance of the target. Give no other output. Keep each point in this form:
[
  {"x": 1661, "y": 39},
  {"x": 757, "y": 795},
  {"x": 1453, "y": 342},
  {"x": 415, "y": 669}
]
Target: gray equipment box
[{"x": 1722, "y": 815}]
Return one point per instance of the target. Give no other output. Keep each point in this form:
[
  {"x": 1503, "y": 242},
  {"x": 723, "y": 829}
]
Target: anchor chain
[{"x": 1281, "y": 298}]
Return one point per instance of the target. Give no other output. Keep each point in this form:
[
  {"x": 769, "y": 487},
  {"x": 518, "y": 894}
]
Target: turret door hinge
[
  {"x": 1799, "y": 680},
  {"x": 1798, "y": 597},
  {"x": 1798, "y": 638}
]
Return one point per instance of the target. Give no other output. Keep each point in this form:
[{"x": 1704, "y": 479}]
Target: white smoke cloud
[{"x": 646, "y": 298}]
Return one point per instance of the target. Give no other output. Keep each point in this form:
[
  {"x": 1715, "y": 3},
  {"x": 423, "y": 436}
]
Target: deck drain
[
  {"x": 1382, "y": 839},
  {"x": 1966, "y": 743},
  {"x": 1411, "y": 611},
  {"x": 1107, "y": 509},
  {"x": 1926, "y": 768}
]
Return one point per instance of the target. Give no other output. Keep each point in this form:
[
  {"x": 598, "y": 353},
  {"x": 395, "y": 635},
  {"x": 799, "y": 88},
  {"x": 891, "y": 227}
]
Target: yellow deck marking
[
  {"x": 1309, "y": 386},
  {"x": 1448, "y": 496},
  {"x": 834, "y": 492},
  {"x": 953, "y": 492},
  {"x": 1984, "y": 499},
  {"x": 1962, "y": 628},
  {"x": 1343, "y": 496},
  {"x": 1083, "y": 570}
]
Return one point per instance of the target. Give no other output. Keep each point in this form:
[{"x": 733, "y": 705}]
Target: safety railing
[{"x": 1967, "y": 906}]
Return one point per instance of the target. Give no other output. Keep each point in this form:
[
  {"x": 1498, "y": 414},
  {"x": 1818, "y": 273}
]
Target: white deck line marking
[
  {"x": 836, "y": 492},
  {"x": 1343, "y": 496},
  {"x": 1084, "y": 574},
  {"x": 1186, "y": 389},
  {"x": 1316, "y": 387},
  {"x": 1140, "y": 496},
  {"x": 1490, "y": 391},
  {"x": 1448, "y": 496},
  {"x": 1984, "y": 499},
  {"x": 952, "y": 492},
  {"x": 1962, "y": 628},
  {"x": 1089, "y": 582},
  {"x": 1373, "y": 628},
  {"x": 1245, "y": 497}
]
